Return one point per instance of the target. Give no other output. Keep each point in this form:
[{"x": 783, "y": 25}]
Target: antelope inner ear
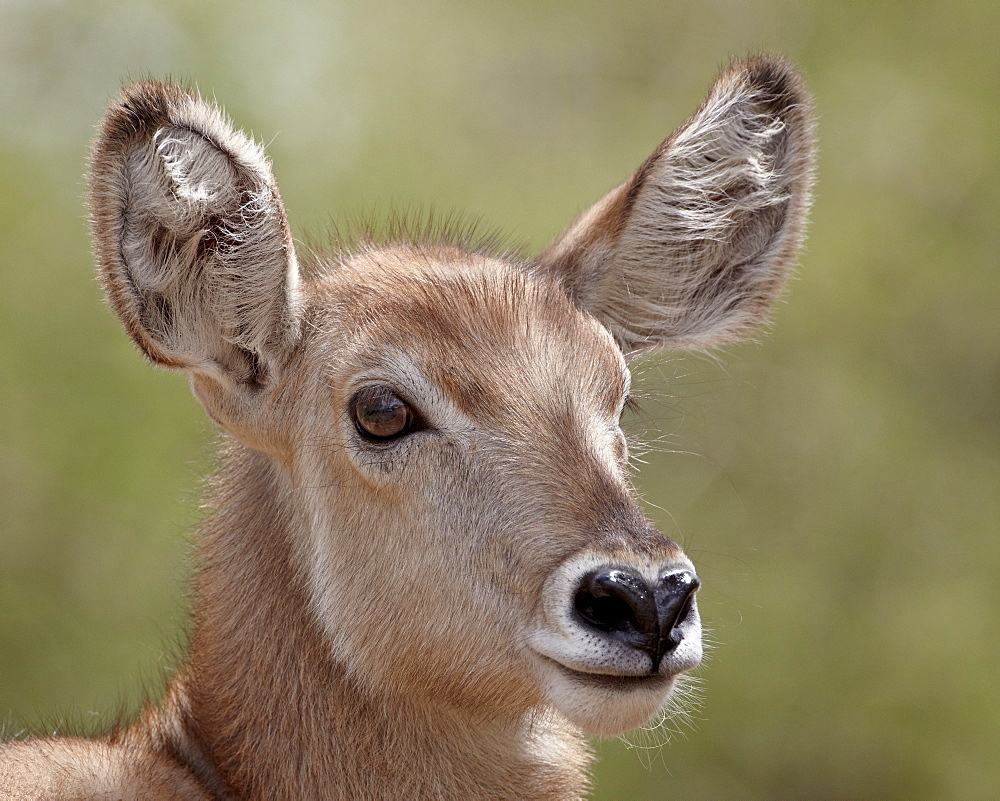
[
  {"x": 691, "y": 251},
  {"x": 191, "y": 236}
]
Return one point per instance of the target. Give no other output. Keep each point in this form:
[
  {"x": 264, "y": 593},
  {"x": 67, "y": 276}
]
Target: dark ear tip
[
  {"x": 779, "y": 84},
  {"x": 141, "y": 109},
  {"x": 152, "y": 95}
]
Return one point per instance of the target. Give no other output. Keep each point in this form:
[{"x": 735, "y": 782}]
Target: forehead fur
[{"x": 495, "y": 336}]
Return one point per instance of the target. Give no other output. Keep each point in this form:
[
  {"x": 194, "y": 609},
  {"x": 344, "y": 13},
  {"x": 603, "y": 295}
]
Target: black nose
[{"x": 622, "y": 605}]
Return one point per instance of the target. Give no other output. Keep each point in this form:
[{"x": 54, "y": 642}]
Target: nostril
[
  {"x": 607, "y": 613},
  {"x": 621, "y": 606},
  {"x": 674, "y": 595},
  {"x": 615, "y": 600}
]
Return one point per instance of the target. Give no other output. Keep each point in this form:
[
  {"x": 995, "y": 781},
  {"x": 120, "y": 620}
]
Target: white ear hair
[
  {"x": 191, "y": 236},
  {"x": 692, "y": 250}
]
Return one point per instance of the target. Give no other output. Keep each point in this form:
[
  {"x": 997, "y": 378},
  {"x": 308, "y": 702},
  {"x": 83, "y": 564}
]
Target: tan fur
[{"x": 394, "y": 619}]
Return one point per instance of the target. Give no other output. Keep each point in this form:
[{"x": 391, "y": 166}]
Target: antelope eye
[{"x": 380, "y": 414}]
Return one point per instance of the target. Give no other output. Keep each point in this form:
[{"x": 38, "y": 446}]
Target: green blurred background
[{"x": 837, "y": 485}]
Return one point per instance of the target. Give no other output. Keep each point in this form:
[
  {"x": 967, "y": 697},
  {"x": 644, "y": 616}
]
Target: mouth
[
  {"x": 612, "y": 681},
  {"x": 611, "y": 640},
  {"x": 601, "y": 703}
]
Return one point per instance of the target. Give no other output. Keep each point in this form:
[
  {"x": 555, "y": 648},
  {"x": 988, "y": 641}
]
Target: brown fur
[{"x": 388, "y": 619}]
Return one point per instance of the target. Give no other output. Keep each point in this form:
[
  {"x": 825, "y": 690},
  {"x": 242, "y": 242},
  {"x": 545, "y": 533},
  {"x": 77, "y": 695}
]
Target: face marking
[
  {"x": 394, "y": 368},
  {"x": 508, "y": 351}
]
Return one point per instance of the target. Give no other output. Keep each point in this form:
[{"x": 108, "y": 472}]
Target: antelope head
[{"x": 442, "y": 422}]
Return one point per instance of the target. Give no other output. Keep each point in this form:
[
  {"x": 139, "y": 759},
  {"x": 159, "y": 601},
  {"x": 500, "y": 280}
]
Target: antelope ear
[
  {"x": 692, "y": 250},
  {"x": 191, "y": 237}
]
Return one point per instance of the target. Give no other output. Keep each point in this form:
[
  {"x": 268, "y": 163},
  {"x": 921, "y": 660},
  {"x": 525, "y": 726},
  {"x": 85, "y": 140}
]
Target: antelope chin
[{"x": 603, "y": 704}]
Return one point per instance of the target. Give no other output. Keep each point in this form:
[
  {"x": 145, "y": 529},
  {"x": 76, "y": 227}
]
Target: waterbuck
[{"x": 424, "y": 572}]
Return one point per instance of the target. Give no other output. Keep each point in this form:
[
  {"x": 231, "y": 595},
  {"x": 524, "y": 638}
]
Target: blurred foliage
[{"x": 837, "y": 486}]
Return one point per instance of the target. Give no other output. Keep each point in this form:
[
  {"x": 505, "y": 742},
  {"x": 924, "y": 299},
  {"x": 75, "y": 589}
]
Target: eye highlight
[{"x": 379, "y": 414}]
